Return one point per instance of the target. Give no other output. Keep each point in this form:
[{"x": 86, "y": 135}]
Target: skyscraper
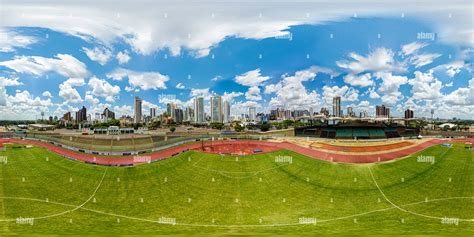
[
  {"x": 152, "y": 112},
  {"x": 252, "y": 113},
  {"x": 138, "y": 110},
  {"x": 226, "y": 110},
  {"x": 199, "y": 110},
  {"x": 336, "y": 106},
  {"x": 171, "y": 110},
  {"x": 216, "y": 109},
  {"x": 108, "y": 114},
  {"x": 382, "y": 112},
  {"x": 409, "y": 114},
  {"x": 81, "y": 115}
]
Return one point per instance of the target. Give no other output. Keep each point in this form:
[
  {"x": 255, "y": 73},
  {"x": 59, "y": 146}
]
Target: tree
[
  {"x": 172, "y": 129},
  {"x": 265, "y": 127},
  {"x": 217, "y": 125},
  {"x": 238, "y": 127}
]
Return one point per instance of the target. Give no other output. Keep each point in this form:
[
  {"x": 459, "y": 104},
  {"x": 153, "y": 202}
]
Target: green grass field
[{"x": 207, "y": 193}]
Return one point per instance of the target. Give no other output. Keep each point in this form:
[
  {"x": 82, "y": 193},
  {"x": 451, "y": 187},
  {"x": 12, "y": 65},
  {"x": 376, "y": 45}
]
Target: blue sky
[{"x": 367, "y": 59}]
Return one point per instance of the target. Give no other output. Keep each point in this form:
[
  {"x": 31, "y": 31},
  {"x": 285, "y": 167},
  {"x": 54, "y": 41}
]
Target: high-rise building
[
  {"x": 138, "y": 110},
  {"x": 336, "y": 106},
  {"x": 188, "y": 114},
  {"x": 216, "y": 109},
  {"x": 171, "y": 110},
  {"x": 67, "y": 117},
  {"x": 108, "y": 114},
  {"x": 324, "y": 112},
  {"x": 199, "y": 110},
  {"x": 253, "y": 113},
  {"x": 178, "y": 115},
  {"x": 363, "y": 114},
  {"x": 350, "y": 112},
  {"x": 409, "y": 114},
  {"x": 226, "y": 110},
  {"x": 152, "y": 112},
  {"x": 382, "y": 112},
  {"x": 81, "y": 115}
]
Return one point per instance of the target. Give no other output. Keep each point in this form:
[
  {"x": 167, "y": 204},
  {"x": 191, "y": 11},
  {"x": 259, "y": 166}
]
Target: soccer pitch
[{"x": 430, "y": 192}]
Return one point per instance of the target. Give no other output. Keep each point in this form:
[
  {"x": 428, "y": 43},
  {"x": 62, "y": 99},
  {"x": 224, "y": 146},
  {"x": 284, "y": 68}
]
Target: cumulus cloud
[
  {"x": 290, "y": 91},
  {"x": 102, "y": 88},
  {"x": 425, "y": 86},
  {"x": 68, "y": 92},
  {"x": 231, "y": 96},
  {"x": 11, "y": 40},
  {"x": 180, "y": 86},
  {"x": 200, "y": 27},
  {"x": 22, "y": 104},
  {"x": 411, "y": 48},
  {"x": 204, "y": 92},
  {"x": 63, "y": 64},
  {"x": 10, "y": 82},
  {"x": 390, "y": 87},
  {"x": 420, "y": 60},
  {"x": 363, "y": 80},
  {"x": 47, "y": 94},
  {"x": 140, "y": 80},
  {"x": 379, "y": 60},
  {"x": 253, "y": 93},
  {"x": 346, "y": 93},
  {"x": 99, "y": 54},
  {"x": 123, "y": 57},
  {"x": 251, "y": 78}
]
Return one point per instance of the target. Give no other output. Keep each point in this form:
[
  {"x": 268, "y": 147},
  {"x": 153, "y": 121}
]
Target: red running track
[{"x": 265, "y": 146}]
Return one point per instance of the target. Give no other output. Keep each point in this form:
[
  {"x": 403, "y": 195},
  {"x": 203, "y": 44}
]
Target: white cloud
[
  {"x": 102, "y": 88},
  {"x": 140, "y": 80},
  {"x": 23, "y": 105},
  {"x": 373, "y": 94},
  {"x": 346, "y": 93},
  {"x": 363, "y": 80},
  {"x": 180, "y": 86},
  {"x": 47, "y": 94},
  {"x": 231, "y": 96},
  {"x": 379, "y": 60},
  {"x": 99, "y": 54},
  {"x": 122, "y": 110},
  {"x": 123, "y": 57},
  {"x": 251, "y": 78},
  {"x": 411, "y": 48},
  {"x": 290, "y": 91},
  {"x": 9, "y": 82},
  {"x": 175, "y": 26},
  {"x": 216, "y": 78},
  {"x": 425, "y": 86},
  {"x": 10, "y": 40},
  {"x": 68, "y": 92},
  {"x": 390, "y": 87},
  {"x": 91, "y": 99},
  {"x": 253, "y": 93},
  {"x": 204, "y": 92},
  {"x": 64, "y": 64},
  {"x": 420, "y": 60},
  {"x": 454, "y": 68}
]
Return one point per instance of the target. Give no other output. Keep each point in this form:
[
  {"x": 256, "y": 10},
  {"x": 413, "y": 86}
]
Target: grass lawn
[{"x": 258, "y": 194}]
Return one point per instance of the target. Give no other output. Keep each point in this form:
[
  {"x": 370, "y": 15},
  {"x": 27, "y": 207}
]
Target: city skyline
[{"x": 403, "y": 59}]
